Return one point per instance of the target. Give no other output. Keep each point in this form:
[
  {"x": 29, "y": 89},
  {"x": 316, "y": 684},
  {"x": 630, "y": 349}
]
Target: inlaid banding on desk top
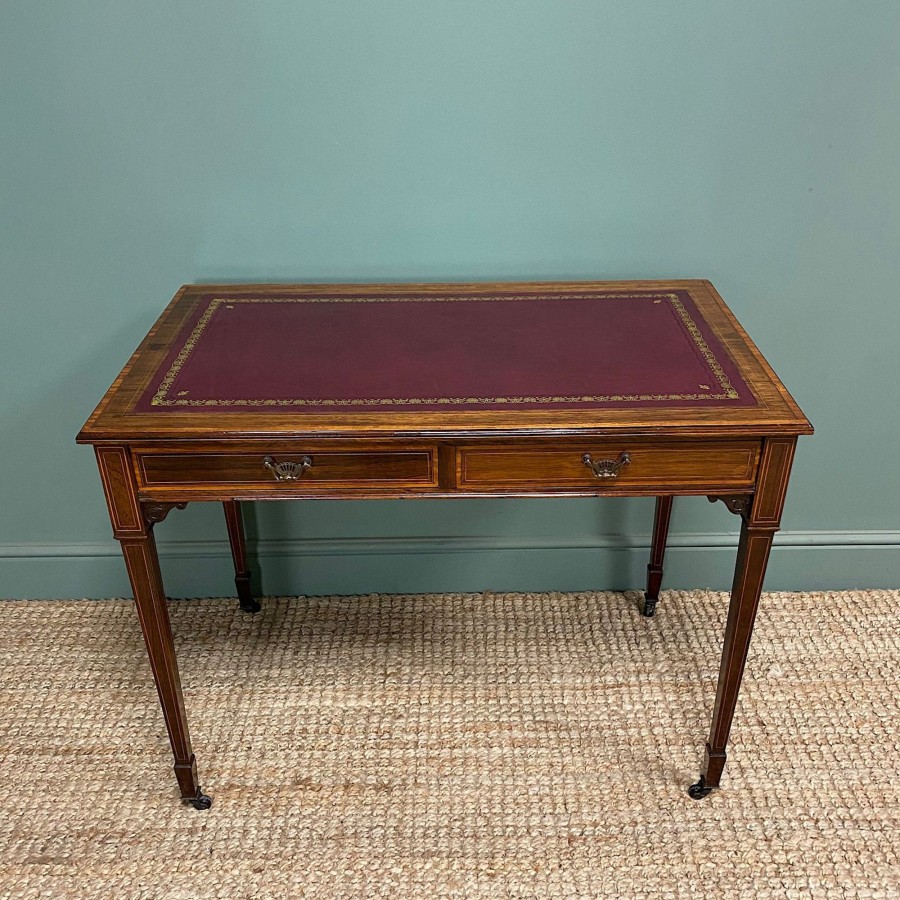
[{"x": 320, "y": 352}]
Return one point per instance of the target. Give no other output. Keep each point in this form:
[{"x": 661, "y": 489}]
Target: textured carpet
[{"x": 464, "y": 746}]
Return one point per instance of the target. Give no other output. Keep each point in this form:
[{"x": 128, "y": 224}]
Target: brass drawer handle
[
  {"x": 288, "y": 470},
  {"x": 606, "y": 468}
]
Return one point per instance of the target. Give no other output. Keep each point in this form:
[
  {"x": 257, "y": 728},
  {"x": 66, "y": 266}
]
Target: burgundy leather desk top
[
  {"x": 532, "y": 349},
  {"x": 294, "y": 359}
]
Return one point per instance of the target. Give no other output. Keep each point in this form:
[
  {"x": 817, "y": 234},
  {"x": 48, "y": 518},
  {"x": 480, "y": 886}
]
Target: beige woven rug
[{"x": 464, "y": 746}]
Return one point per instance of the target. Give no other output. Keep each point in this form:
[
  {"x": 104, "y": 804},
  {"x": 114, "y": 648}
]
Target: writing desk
[{"x": 280, "y": 392}]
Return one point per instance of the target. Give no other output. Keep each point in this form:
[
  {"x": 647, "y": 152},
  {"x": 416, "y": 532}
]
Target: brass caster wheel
[
  {"x": 201, "y": 801},
  {"x": 248, "y": 602},
  {"x": 699, "y": 790}
]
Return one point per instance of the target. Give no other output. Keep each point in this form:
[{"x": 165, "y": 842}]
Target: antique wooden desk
[{"x": 279, "y": 392}]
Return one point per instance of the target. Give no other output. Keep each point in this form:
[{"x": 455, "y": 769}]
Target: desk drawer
[
  {"x": 621, "y": 466},
  {"x": 289, "y": 469}
]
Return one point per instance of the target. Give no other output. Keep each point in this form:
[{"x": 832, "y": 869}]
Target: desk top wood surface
[{"x": 636, "y": 357}]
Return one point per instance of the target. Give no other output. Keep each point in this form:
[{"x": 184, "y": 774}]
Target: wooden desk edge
[{"x": 123, "y": 427}]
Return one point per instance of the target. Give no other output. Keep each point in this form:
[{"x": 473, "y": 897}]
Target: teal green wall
[{"x": 143, "y": 145}]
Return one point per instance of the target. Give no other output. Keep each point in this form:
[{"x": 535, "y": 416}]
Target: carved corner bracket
[
  {"x": 156, "y": 512},
  {"x": 739, "y": 504}
]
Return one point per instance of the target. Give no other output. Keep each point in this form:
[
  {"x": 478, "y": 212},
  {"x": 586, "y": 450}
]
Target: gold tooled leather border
[{"x": 162, "y": 398}]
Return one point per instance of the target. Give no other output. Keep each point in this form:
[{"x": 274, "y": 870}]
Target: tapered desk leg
[
  {"x": 761, "y": 518},
  {"x": 132, "y": 522},
  {"x": 150, "y": 600},
  {"x": 657, "y": 553},
  {"x": 235, "y": 523}
]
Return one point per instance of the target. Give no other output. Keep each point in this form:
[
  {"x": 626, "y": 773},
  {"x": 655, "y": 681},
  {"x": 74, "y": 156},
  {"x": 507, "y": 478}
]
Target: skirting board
[{"x": 801, "y": 560}]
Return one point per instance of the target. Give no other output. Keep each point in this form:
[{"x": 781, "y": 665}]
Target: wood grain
[
  {"x": 654, "y": 466},
  {"x": 410, "y": 468}
]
